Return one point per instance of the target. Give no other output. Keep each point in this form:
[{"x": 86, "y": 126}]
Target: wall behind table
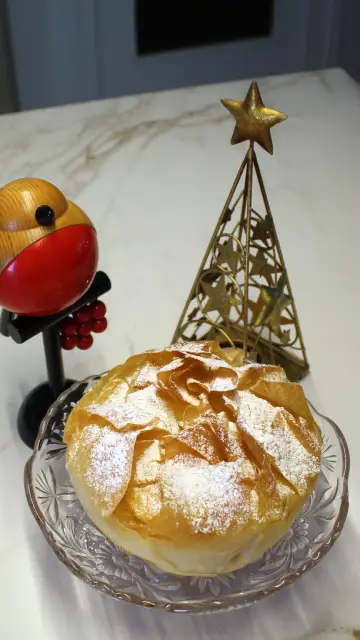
[
  {"x": 78, "y": 50},
  {"x": 8, "y": 102}
]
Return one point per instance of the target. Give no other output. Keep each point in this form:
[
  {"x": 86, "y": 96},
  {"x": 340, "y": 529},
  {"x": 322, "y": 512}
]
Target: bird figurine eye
[{"x": 45, "y": 216}]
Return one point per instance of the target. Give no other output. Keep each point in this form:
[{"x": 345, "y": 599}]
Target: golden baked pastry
[{"x": 191, "y": 461}]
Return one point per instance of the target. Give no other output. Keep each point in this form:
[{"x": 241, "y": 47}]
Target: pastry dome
[{"x": 191, "y": 460}]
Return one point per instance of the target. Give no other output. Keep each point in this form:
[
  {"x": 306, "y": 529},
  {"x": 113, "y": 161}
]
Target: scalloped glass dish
[{"x": 98, "y": 562}]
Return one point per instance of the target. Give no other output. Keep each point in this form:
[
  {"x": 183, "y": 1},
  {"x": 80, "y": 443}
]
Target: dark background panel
[{"x": 165, "y": 25}]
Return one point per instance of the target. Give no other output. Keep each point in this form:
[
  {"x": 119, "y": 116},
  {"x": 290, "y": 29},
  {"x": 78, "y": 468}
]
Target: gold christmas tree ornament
[{"x": 242, "y": 295}]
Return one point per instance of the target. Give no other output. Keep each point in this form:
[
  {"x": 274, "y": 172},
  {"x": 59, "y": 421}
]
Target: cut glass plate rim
[{"x": 228, "y": 601}]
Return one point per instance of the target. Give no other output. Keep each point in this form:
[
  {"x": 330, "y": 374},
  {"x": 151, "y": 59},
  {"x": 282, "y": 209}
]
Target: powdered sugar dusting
[
  {"x": 190, "y": 347},
  {"x": 275, "y": 376},
  {"x": 187, "y": 398},
  {"x": 121, "y": 415},
  {"x": 269, "y": 427},
  {"x": 210, "y": 497},
  {"x": 141, "y": 408},
  {"x": 109, "y": 468}
]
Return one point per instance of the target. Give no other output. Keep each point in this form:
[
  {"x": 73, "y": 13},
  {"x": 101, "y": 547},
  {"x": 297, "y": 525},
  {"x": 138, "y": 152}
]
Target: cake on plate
[{"x": 192, "y": 460}]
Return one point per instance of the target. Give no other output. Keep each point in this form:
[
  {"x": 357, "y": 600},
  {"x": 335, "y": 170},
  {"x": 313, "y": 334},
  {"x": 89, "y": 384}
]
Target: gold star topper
[{"x": 253, "y": 119}]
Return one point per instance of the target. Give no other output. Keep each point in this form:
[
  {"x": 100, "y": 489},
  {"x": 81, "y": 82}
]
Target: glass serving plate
[{"x": 98, "y": 562}]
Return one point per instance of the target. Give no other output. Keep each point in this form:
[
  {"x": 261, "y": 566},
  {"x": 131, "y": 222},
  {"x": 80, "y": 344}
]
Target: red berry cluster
[{"x": 76, "y": 330}]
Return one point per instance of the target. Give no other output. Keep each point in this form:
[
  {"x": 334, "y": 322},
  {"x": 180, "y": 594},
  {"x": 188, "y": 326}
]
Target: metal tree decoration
[{"x": 242, "y": 295}]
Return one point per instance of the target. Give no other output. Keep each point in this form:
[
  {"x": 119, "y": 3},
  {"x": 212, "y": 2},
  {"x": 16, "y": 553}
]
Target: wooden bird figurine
[{"x": 48, "y": 249}]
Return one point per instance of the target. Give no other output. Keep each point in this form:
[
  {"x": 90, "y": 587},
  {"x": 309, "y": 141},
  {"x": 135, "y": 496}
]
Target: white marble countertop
[{"x": 153, "y": 173}]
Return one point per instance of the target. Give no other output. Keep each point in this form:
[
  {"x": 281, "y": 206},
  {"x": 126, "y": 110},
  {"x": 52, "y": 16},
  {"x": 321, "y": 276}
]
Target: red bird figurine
[{"x": 48, "y": 249}]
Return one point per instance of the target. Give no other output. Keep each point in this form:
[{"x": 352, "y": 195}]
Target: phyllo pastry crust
[{"x": 192, "y": 461}]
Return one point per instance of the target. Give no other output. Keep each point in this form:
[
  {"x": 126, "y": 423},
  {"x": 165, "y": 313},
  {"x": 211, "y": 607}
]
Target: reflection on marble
[{"x": 153, "y": 173}]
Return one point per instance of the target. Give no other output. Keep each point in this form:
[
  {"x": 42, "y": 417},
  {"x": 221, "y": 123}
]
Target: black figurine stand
[{"x": 21, "y": 329}]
